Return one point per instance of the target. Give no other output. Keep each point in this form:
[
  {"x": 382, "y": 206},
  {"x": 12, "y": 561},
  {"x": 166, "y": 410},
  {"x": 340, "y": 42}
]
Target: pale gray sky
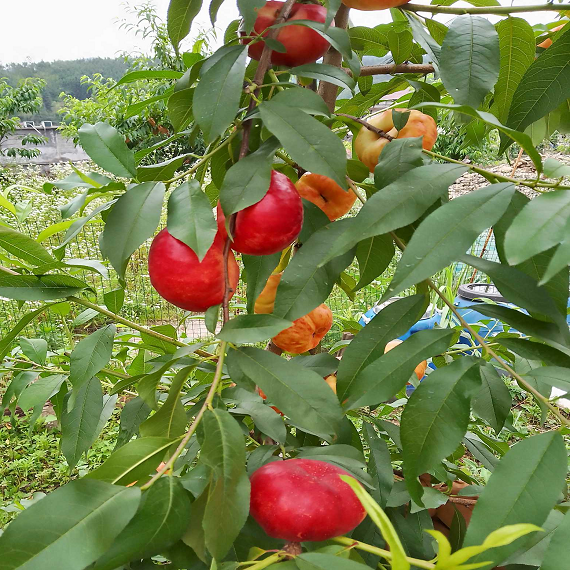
[{"x": 71, "y": 29}]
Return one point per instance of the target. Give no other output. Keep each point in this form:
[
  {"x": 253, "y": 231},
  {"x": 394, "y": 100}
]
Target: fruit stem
[
  {"x": 486, "y": 347},
  {"x": 293, "y": 548},
  {"x": 206, "y": 405},
  {"x": 356, "y": 190},
  {"x": 380, "y": 551},
  {"x": 499, "y": 10},
  {"x": 274, "y": 558},
  {"x": 376, "y": 130}
]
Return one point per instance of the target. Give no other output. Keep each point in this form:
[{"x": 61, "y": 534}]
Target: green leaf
[
  {"x": 217, "y": 96},
  {"x": 133, "y": 414},
  {"x": 79, "y": 425},
  {"x": 374, "y": 255},
  {"x": 555, "y": 169},
  {"x": 381, "y": 520},
  {"x": 223, "y": 450},
  {"x": 31, "y": 288},
  {"x": 190, "y": 218},
  {"x": 114, "y": 299},
  {"x": 90, "y": 355},
  {"x": 517, "y": 52},
  {"x": 379, "y": 465},
  {"x": 19, "y": 382},
  {"x": 162, "y": 171},
  {"x": 422, "y": 37},
  {"x": 258, "y": 268},
  {"x": 536, "y": 351},
  {"x": 248, "y": 10},
  {"x": 397, "y": 159},
  {"x": 304, "y": 286},
  {"x": 553, "y": 376},
  {"x": 35, "y": 349},
  {"x": 523, "y": 488},
  {"x": 387, "y": 375},
  {"x": 436, "y": 418},
  {"x": 181, "y": 13},
  {"x": 323, "y": 561},
  {"x": 400, "y": 44},
  {"x": 368, "y": 345},
  {"x": 449, "y": 232},
  {"x": 160, "y": 521},
  {"x": 107, "y": 147},
  {"x": 265, "y": 418},
  {"x": 469, "y": 60},
  {"x": 8, "y": 338},
  {"x": 180, "y": 111},
  {"x": 309, "y": 143},
  {"x": 134, "y": 109},
  {"x": 399, "y": 204},
  {"x": 323, "y": 363},
  {"x": 521, "y": 138},
  {"x": 559, "y": 547},
  {"x": 72, "y": 527},
  {"x": 23, "y": 247},
  {"x": 170, "y": 420},
  {"x": 523, "y": 323},
  {"x": 300, "y": 393},
  {"x": 148, "y": 74},
  {"x": 133, "y": 220},
  {"x": 544, "y": 86},
  {"x": 247, "y": 181},
  {"x": 539, "y": 226},
  {"x": 538, "y": 266},
  {"x": 252, "y": 328},
  {"x": 78, "y": 224},
  {"x": 492, "y": 401},
  {"x": 303, "y": 99},
  {"x": 519, "y": 288},
  {"x": 325, "y": 72},
  {"x": 133, "y": 461},
  {"x": 38, "y": 393}
]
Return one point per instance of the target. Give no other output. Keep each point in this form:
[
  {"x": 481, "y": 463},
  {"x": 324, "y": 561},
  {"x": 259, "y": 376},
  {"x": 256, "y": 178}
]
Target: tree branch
[
  {"x": 326, "y": 90},
  {"x": 392, "y": 69},
  {"x": 498, "y": 10},
  {"x": 370, "y": 127},
  {"x": 262, "y": 67}
]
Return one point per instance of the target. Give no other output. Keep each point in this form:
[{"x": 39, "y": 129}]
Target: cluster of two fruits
[{"x": 267, "y": 227}]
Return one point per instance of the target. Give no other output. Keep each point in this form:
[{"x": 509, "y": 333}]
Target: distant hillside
[{"x": 63, "y": 76}]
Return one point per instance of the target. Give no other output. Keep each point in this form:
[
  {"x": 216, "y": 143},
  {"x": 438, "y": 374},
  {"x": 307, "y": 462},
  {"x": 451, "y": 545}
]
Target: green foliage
[
  {"x": 17, "y": 100},
  {"x": 200, "y": 418}
]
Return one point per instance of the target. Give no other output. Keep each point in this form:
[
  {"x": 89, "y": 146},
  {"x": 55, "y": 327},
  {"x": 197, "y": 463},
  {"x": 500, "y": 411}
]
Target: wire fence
[{"x": 144, "y": 305}]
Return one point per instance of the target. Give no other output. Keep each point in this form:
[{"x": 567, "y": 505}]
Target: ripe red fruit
[
  {"x": 303, "y": 500},
  {"x": 182, "y": 280},
  {"x": 302, "y": 44},
  {"x": 271, "y": 224}
]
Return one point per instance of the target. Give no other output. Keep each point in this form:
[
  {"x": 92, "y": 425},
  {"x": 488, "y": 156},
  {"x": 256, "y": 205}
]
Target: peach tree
[{"x": 235, "y": 452}]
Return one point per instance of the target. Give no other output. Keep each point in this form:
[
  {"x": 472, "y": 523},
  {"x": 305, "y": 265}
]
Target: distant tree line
[{"x": 62, "y": 76}]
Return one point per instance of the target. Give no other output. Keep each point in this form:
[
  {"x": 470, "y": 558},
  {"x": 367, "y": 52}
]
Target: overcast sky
[{"x": 70, "y": 29}]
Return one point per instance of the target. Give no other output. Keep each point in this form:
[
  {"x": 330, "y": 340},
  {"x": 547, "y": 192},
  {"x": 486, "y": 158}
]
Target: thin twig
[
  {"x": 487, "y": 173},
  {"x": 486, "y": 347},
  {"x": 498, "y": 10},
  {"x": 207, "y": 404},
  {"x": 370, "y": 127}
]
